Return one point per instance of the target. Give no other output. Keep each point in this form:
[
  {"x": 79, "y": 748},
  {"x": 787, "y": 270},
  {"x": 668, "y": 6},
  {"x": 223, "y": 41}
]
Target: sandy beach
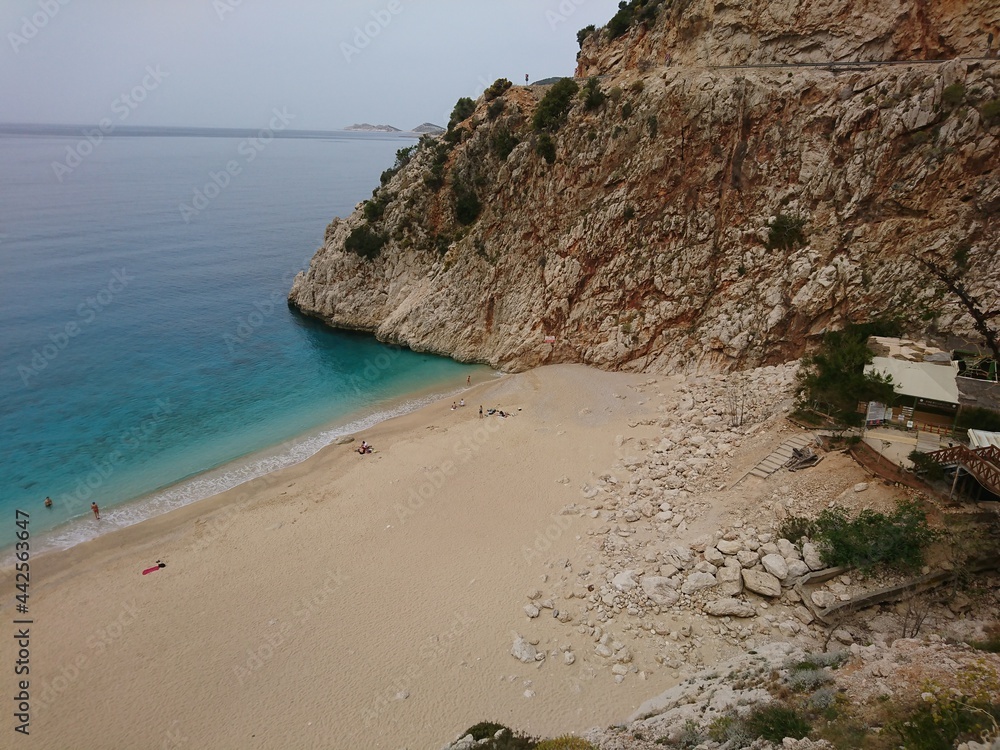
[{"x": 348, "y": 601}]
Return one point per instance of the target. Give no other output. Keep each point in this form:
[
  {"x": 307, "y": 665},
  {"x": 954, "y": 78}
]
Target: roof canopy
[
  {"x": 983, "y": 439},
  {"x": 935, "y": 382}
]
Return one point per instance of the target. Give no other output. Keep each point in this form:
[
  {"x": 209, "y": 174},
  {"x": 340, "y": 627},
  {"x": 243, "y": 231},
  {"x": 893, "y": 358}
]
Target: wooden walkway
[
  {"x": 982, "y": 463},
  {"x": 779, "y": 457}
]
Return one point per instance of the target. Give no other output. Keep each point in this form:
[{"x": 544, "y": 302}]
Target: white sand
[{"x": 297, "y": 612}]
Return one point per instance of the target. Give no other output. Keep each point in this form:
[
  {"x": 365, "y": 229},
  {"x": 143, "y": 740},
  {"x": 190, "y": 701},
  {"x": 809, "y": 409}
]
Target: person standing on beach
[
  {"x": 480, "y": 411},
  {"x": 468, "y": 380},
  {"x": 525, "y": 79},
  {"x": 97, "y": 511}
]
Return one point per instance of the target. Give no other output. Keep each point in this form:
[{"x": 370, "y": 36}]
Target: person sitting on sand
[
  {"x": 462, "y": 402},
  {"x": 365, "y": 448},
  {"x": 453, "y": 406}
]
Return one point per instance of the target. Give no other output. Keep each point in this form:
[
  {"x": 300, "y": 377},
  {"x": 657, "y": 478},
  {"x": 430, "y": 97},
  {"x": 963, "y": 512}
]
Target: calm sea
[{"x": 148, "y": 356}]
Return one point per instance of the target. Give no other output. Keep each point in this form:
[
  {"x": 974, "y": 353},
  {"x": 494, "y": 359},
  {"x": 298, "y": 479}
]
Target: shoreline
[
  {"x": 378, "y": 591},
  {"x": 233, "y": 474}
]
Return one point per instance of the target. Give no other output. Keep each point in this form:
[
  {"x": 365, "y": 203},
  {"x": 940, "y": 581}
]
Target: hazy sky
[{"x": 231, "y": 62}]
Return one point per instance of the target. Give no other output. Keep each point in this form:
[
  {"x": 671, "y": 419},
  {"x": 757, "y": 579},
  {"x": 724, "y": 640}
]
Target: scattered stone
[
  {"x": 524, "y": 651},
  {"x": 728, "y": 547},
  {"x": 810, "y": 553},
  {"x": 729, "y": 608},
  {"x": 730, "y": 581},
  {"x": 569, "y": 658},
  {"x": 698, "y": 581},
  {"x": 531, "y": 610},
  {"x": 761, "y": 583},
  {"x": 796, "y": 568},
  {"x": 775, "y": 565},
  {"x": 660, "y": 590},
  {"x": 713, "y": 556},
  {"x": 823, "y": 599},
  {"x": 625, "y": 581},
  {"x": 861, "y": 486}
]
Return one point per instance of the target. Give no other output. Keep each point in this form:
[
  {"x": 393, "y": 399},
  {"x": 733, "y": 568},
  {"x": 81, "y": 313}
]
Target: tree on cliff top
[{"x": 463, "y": 110}]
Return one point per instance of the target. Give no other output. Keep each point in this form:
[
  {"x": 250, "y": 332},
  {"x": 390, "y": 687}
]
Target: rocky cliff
[{"x": 688, "y": 216}]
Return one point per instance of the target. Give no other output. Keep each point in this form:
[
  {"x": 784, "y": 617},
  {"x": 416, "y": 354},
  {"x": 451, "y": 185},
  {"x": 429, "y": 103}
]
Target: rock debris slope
[{"x": 698, "y": 217}]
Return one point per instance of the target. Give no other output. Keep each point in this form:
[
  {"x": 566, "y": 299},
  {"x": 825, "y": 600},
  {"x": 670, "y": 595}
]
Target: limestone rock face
[
  {"x": 654, "y": 241},
  {"x": 754, "y": 32}
]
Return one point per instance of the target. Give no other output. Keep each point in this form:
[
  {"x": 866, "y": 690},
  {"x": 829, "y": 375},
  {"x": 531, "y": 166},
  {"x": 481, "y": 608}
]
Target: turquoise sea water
[{"x": 143, "y": 345}]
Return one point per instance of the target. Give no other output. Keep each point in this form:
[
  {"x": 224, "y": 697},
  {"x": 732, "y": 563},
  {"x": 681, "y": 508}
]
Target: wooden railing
[{"x": 982, "y": 463}]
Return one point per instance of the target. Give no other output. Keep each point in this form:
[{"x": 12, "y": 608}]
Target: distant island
[
  {"x": 428, "y": 127},
  {"x": 365, "y": 127}
]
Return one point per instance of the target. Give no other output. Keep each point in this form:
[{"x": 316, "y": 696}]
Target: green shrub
[
  {"x": 629, "y": 213},
  {"x": 463, "y": 110},
  {"x": 375, "y": 208},
  {"x": 554, "y": 107},
  {"x": 953, "y": 95},
  {"x": 652, "y": 125},
  {"x": 495, "y": 108},
  {"x": 483, "y": 730},
  {"x": 496, "y": 89},
  {"x": 774, "y": 722},
  {"x": 566, "y": 742},
  {"x": 785, "y": 232},
  {"x": 991, "y": 111},
  {"x": 626, "y": 110},
  {"x": 546, "y": 148},
  {"x": 583, "y": 34},
  {"x": 467, "y": 203},
  {"x": 502, "y": 143},
  {"x": 896, "y": 540},
  {"x": 592, "y": 96},
  {"x": 633, "y": 12},
  {"x": 364, "y": 242},
  {"x": 808, "y": 680},
  {"x": 435, "y": 176},
  {"x": 403, "y": 157}
]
